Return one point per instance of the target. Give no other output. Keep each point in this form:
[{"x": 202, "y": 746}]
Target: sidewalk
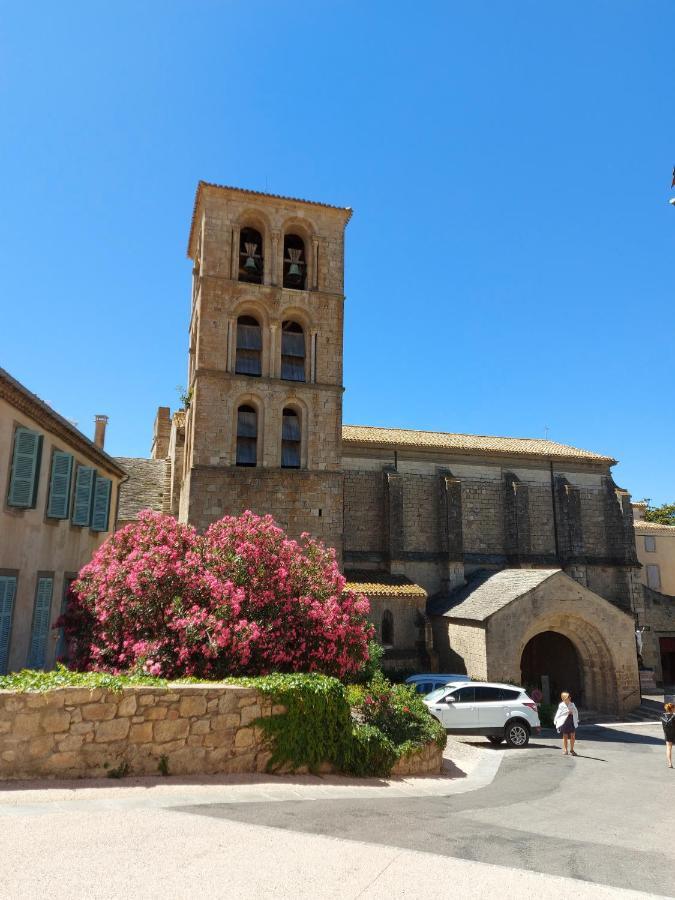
[{"x": 466, "y": 768}]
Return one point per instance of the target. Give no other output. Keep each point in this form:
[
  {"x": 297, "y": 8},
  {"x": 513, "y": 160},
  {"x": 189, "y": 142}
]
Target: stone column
[
  {"x": 516, "y": 519},
  {"x": 314, "y": 285},
  {"x": 274, "y": 267},
  {"x": 451, "y": 538},
  {"x": 274, "y": 364},
  {"x": 234, "y": 271},
  {"x": 231, "y": 343}
]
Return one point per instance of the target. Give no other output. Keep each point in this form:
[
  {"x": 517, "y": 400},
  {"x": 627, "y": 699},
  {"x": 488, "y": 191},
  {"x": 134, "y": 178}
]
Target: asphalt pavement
[
  {"x": 501, "y": 823},
  {"x": 605, "y": 817}
]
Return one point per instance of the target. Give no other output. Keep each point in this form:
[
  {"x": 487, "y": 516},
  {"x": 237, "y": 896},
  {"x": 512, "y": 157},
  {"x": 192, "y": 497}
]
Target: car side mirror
[{"x": 449, "y": 699}]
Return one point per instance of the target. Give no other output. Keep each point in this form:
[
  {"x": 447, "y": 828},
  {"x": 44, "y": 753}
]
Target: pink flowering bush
[{"x": 242, "y": 599}]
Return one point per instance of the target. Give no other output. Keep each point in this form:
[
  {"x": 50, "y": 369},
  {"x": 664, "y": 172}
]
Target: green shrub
[
  {"x": 370, "y": 752},
  {"x": 61, "y": 677}
]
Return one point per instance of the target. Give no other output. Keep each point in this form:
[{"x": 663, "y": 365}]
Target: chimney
[
  {"x": 161, "y": 433},
  {"x": 99, "y": 430}
]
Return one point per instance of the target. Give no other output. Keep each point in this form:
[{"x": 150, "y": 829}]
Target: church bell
[{"x": 250, "y": 265}]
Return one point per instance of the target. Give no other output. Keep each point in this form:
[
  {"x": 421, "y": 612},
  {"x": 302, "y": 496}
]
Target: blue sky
[{"x": 509, "y": 265}]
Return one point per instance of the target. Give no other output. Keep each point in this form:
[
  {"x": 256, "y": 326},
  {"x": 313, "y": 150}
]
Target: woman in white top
[{"x": 567, "y": 721}]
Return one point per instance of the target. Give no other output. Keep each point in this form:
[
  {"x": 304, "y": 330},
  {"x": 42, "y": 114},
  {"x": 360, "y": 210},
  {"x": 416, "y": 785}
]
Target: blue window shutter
[
  {"x": 7, "y": 593},
  {"x": 101, "y": 508},
  {"x": 59, "y": 485},
  {"x": 41, "y": 616},
  {"x": 84, "y": 493},
  {"x": 23, "y": 483}
]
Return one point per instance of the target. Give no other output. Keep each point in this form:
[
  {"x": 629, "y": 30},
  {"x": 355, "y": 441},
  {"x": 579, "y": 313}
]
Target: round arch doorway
[{"x": 551, "y": 654}]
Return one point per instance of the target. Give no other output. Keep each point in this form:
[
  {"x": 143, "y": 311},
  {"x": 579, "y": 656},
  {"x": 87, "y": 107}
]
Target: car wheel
[
  {"x": 495, "y": 739},
  {"x": 517, "y": 734}
]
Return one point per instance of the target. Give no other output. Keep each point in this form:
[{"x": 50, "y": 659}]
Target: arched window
[
  {"x": 290, "y": 440},
  {"x": 387, "y": 628},
  {"x": 251, "y": 260},
  {"x": 249, "y": 347},
  {"x": 295, "y": 263},
  {"x": 247, "y": 436},
  {"x": 292, "y": 352}
]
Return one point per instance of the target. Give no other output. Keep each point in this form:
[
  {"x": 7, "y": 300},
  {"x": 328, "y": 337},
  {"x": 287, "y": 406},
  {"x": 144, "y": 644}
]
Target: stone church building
[{"x": 506, "y": 558}]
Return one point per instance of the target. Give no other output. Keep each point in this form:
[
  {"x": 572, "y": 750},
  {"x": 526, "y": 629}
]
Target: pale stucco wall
[
  {"x": 32, "y": 545},
  {"x": 662, "y": 556}
]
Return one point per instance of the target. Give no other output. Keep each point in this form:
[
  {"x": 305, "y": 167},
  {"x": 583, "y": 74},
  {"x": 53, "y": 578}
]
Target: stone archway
[
  {"x": 597, "y": 671},
  {"x": 550, "y": 662}
]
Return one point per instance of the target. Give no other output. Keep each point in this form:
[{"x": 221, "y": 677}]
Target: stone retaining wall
[
  {"x": 176, "y": 730},
  {"x": 85, "y": 733}
]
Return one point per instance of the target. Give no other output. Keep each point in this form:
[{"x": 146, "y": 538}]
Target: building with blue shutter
[{"x": 59, "y": 502}]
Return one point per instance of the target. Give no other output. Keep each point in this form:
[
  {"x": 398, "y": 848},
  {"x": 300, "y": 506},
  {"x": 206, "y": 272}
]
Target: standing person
[
  {"x": 567, "y": 721},
  {"x": 668, "y": 722}
]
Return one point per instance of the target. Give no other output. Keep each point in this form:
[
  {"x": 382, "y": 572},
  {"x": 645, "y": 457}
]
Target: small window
[
  {"x": 290, "y": 440},
  {"x": 251, "y": 262},
  {"x": 295, "y": 268},
  {"x": 23, "y": 482},
  {"x": 84, "y": 495},
  {"x": 506, "y": 694},
  {"x": 650, "y": 543},
  {"x": 464, "y": 695},
  {"x": 387, "y": 628},
  {"x": 292, "y": 352},
  {"x": 40, "y": 629},
  {"x": 654, "y": 577},
  {"x": 101, "y": 504},
  {"x": 487, "y": 694},
  {"x": 249, "y": 347},
  {"x": 247, "y": 436}
]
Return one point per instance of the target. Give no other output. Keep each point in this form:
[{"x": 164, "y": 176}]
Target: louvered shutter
[
  {"x": 84, "y": 492},
  {"x": 99, "y": 515},
  {"x": 23, "y": 483},
  {"x": 40, "y": 631},
  {"x": 7, "y": 592},
  {"x": 59, "y": 485}
]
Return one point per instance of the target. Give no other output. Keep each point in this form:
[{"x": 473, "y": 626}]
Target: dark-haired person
[
  {"x": 668, "y": 722},
  {"x": 567, "y": 721}
]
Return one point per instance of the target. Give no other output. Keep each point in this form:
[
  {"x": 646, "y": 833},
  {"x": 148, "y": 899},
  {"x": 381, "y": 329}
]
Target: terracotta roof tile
[
  {"x": 366, "y": 435},
  {"x": 651, "y": 527},
  {"x": 382, "y": 584}
]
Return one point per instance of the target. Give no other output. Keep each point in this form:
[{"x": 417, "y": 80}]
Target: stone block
[
  {"x": 155, "y": 713},
  {"x": 141, "y": 733},
  {"x": 112, "y": 730},
  {"x": 127, "y": 706},
  {"x": 244, "y": 738},
  {"x": 249, "y": 714},
  {"x": 225, "y": 722},
  {"x": 228, "y": 702},
  {"x": 171, "y": 730},
  {"x": 192, "y": 706},
  {"x": 56, "y": 720},
  {"x": 202, "y": 726},
  {"x": 26, "y": 725},
  {"x": 70, "y": 742},
  {"x": 40, "y": 746},
  {"x": 82, "y": 728},
  {"x": 81, "y": 696},
  {"x": 60, "y": 761},
  {"x": 95, "y": 712}
]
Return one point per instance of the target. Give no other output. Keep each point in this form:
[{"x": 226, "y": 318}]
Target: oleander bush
[{"x": 242, "y": 599}]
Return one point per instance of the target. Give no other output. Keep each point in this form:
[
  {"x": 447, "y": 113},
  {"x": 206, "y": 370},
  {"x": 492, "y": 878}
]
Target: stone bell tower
[{"x": 264, "y": 422}]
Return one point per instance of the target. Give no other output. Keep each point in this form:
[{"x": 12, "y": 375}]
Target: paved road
[
  {"x": 606, "y": 817},
  {"x": 546, "y": 826}
]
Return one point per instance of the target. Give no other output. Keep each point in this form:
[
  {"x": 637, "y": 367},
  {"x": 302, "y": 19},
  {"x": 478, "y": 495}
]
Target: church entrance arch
[{"x": 550, "y": 662}]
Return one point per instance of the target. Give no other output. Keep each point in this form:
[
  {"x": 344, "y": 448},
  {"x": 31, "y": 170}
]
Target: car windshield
[{"x": 436, "y": 694}]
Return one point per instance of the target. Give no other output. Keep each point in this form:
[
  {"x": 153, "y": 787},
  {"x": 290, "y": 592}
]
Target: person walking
[
  {"x": 668, "y": 722},
  {"x": 567, "y": 721}
]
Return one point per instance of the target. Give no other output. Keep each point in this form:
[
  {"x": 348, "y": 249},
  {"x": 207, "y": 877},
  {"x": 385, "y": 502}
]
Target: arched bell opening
[
  {"x": 292, "y": 352},
  {"x": 251, "y": 259},
  {"x": 295, "y": 262},
  {"x": 550, "y": 662}
]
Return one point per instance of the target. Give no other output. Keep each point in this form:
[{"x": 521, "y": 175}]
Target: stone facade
[
  {"x": 225, "y": 297},
  {"x": 175, "y": 730},
  {"x": 433, "y": 508},
  {"x": 85, "y": 733}
]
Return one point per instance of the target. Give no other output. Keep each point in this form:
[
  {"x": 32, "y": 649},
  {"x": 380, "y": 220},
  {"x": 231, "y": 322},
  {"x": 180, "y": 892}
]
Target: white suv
[{"x": 497, "y": 711}]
